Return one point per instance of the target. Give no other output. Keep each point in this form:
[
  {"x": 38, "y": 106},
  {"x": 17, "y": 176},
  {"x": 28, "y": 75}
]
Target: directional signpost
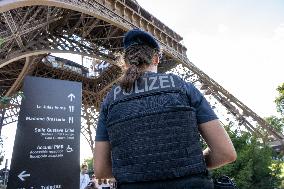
[{"x": 46, "y": 152}]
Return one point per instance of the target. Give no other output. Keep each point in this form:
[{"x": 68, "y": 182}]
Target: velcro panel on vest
[
  {"x": 148, "y": 101},
  {"x": 156, "y": 145}
]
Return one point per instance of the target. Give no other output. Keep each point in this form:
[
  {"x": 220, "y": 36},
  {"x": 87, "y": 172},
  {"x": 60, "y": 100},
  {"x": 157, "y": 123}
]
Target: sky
[{"x": 238, "y": 43}]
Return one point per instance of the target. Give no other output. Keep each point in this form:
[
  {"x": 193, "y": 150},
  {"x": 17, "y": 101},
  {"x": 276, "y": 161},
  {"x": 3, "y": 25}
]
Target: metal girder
[
  {"x": 35, "y": 52},
  {"x": 89, "y": 119},
  {"x": 20, "y": 77},
  {"x": 13, "y": 27},
  {"x": 124, "y": 17},
  {"x": 2, "y": 113},
  {"x": 91, "y": 27},
  {"x": 10, "y": 114},
  {"x": 94, "y": 88},
  {"x": 241, "y": 112}
]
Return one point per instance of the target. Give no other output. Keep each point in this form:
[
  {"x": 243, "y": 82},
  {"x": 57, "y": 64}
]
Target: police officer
[{"x": 149, "y": 126}]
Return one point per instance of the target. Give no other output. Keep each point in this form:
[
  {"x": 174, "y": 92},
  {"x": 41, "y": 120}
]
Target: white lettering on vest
[
  {"x": 172, "y": 80},
  {"x": 164, "y": 79},
  {"x": 151, "y": 87},
  {"x": 127, "y": 93},
  {"x": 136, "y": 88},
  {"x": 116, "y": 91},
  {"x": 146, "y": 84}
]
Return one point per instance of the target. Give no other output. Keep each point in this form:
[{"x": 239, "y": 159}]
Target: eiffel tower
[{"x": 31, "y": 30}]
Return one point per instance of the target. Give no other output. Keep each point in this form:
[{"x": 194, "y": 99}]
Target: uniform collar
[{"x": 150, "y": 72}]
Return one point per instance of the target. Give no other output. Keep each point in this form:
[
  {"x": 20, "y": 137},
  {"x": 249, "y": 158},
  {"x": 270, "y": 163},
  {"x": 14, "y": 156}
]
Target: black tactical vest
[{"x": 153, "y": 131}]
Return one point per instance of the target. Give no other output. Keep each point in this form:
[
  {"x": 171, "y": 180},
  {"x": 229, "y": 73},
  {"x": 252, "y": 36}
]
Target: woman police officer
[{"x": 148, "y": 130}]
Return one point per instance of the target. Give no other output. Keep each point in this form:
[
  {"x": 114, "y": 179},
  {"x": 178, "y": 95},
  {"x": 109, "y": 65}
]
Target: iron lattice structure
[{"x": 31, "y": 30}]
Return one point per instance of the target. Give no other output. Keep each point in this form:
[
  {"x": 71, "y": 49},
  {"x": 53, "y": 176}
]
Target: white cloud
[
  {"x": 249, "y": 67},
  {"x": 279, "y": 31},
  {"x": 222, "y": 28}
]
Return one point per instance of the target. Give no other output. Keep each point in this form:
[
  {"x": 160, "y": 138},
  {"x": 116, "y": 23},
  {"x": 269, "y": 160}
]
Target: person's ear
[
  {"x": 125, "y": 66},
  {"x": 155, "y": 60}
]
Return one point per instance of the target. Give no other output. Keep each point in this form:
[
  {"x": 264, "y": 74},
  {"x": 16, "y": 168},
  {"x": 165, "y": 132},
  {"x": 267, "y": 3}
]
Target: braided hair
[{"x": 138, "y": 57}]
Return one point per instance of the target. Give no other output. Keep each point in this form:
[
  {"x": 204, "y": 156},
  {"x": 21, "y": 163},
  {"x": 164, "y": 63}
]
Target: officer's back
[{"x": 149, "y": 126}]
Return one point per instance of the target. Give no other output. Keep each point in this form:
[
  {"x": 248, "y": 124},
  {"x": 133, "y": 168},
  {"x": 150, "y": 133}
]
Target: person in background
[
  {"x": 105, "y": 184},
  {"x": 111, "y": 183},
  {"x": 91, "y": 185},
  {"x": 84, "y": 177},
  {"x": 100, "y": 184},
  {"x": 148, "y": 133},
  {"x": 93, "y": 178}
]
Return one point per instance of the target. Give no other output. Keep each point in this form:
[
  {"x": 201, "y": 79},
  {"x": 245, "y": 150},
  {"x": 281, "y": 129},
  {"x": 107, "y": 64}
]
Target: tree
[
  {"x": 5, "y": 100},
  {"x": 276, "y": 122},
  {"x": 280, "y": 99},
  {"x": 89, "y": 162},
  {"x": 1, "y": 41},
  {"x": 255, "y": 166}
]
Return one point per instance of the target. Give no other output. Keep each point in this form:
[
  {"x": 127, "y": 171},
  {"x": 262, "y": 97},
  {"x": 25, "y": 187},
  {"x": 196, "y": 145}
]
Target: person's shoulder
[
  {"x": 109, "y": 96},
  {"x": 175, "y": 76},
  {"x": 180, "y": 82}
]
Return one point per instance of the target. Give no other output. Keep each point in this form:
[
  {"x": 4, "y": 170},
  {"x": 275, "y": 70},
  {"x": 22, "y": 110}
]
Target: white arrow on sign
[
  {"x": 22, "y": 175},
  {"x": 71, "y": 96}
]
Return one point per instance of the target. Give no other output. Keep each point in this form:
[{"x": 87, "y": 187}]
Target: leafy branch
[
  {"x": 280, "y": 99},
  {"x": 4, "y": 100},
  {"x": 1, "y": 41}
]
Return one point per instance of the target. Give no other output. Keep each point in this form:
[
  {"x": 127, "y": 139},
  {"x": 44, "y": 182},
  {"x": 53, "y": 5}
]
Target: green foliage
[
  {"x": 4, "y": 100},
  {"x": 282, "y": 175},
  {"x": 276, "y": 123},
  {"x": 1, "y": 41},
  {"x": 89, "y": 162},
  {"x": 280, "y": 99},
  {"x": 254, "y": 167}
]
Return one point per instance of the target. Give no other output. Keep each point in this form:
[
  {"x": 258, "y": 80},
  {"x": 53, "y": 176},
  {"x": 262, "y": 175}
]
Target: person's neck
[{"x": 151, "y": 69}]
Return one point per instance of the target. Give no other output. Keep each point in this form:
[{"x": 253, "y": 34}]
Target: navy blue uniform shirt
[{"x": 155, "y": 81}]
